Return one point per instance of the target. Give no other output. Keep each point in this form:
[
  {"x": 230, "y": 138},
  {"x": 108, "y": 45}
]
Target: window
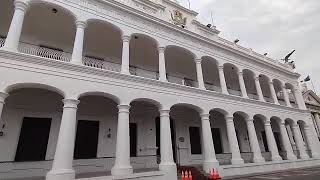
[{"x": 195, "y": 140}]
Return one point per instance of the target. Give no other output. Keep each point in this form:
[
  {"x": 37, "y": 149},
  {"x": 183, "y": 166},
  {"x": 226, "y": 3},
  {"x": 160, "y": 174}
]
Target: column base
[
  {"x": 292, "y": 157},
  {"x": 276, "y": 158},
  {"x": 237, "y": 161},
  {"x": 209, "y": 165},
  {"x": 170, "y": 169},
  {"x": 9, "y": 49},
  {"x": 77, "y": 62},
  {"x": 61, "y": 174},
  {"x": 304, "y": 156},
  {"x": 259, "y": 160},
  {"x": 119, "y": 171}
]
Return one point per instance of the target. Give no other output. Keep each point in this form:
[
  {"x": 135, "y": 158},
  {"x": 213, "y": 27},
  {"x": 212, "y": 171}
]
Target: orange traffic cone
[
  {"x": 186, "y": 175},
  {"x": 216, "y": 175},
  {"x": 182, "y": 175},
  {"x": 190, "y": 175},
  {"x": 211, "y": 174}
]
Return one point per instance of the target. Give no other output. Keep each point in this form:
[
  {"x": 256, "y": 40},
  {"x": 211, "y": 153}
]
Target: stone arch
[
  {"x": 150, "y": 101},
  {"x": 191, "y": 106},
  {"x": 210, "y": 69},
  {"x": 277, "y": 84},
  {"x": 175, "y": 57},
  {"x": 52, "y": 3},
  {"x": 265, "y": 87},
  {"x": 98, "y": 93},
  {"x": 248, "y": 77},
  {"x": 17, "y": 86},
  {"x": 102, "y": 45},
  {"x": 232, "y": 78},
  {"x": 42, "y": 30},
  {"x": 144, "y": 56}
]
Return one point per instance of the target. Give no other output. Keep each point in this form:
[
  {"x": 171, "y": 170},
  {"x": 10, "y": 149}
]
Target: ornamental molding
[
  {"x": 69, "y": 70},
  {"x": 179, "y": 36}
]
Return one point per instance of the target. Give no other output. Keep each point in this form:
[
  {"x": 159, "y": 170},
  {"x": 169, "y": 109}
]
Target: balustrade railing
[
  {"x": 2, "y": 40},
  {"x": 44, "y": 52}
]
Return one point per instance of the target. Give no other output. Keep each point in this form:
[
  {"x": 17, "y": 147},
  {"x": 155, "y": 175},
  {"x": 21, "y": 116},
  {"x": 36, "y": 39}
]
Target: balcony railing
[
  {"x": 2, "y": 40},
  {"x": 44, "y": 52}
]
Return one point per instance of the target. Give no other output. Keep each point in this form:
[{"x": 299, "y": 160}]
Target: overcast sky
[{"x": 273, "y": 26}]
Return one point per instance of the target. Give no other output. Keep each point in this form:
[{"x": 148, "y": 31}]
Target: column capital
[
  {"x": 3, "y": 96},
  {"x": 198, "y": 60},
  {"x": 164, "y": 113},
  {"x": 205, "y": 117},
  {"x": 221, "y": 67},
  {"x": 250, "y": 120},
  {"x": 21, "y": 5},
  {"x": 271, "y": 83},
  {"x": 124, "y": 108},
  {"x": 161, "y": 49},
  {"x": 229, "y": 119},
  {"x": 256, "y": 78},
  {"x": 81, "y": 24},
  {"x": 267, "y": 123},
  {"x": 240, "y": 73},
  {"x": 70, "y": 103},
  {"x": 126, "y": 38}
]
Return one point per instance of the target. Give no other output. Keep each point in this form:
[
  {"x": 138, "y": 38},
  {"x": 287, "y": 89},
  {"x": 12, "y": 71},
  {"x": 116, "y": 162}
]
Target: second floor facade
[{"x": 114, "y": 37}]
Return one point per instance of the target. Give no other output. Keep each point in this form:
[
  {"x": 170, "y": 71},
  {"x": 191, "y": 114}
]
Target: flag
[{"x": 307, "y": 79}]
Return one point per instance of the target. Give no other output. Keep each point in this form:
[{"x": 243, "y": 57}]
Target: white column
[
  {"x": 317, "y": 119},
  {"x": 3, "y": 96},
  {"x": 162, "y": 65},
  {"x": 233, "y": 142},
  {"x": 258, "y": 88},
  {"x": 286, "y": 95},
  {"x": 167, "y": 163},
  {"x": 299, "y": 141},
  {"x": 78, "y": 43},
  {"x": 254, "y": 143},
  {"x": 199, "y": 73},
  {"x": 273, "y": 93},
  {"x": 122, "y": 163},
  {"x": 271, "y": 142},
  {"x": 242, "y": 85},
  {"x": 299, "y": 99},
  {"x": 312, "y": 141},
  {"x": 222, "y": 81},
  {"x": 210, "y": 160},
  {"x": 63, "y": 158},
  {"x": 15, "y": 29},
  {"x": 286, "y": 142},
  {"x": 125, "y": 65}
]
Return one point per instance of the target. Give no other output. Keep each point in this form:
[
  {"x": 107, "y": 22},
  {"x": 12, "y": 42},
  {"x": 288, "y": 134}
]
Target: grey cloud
[{"x": 273, "y": 26}]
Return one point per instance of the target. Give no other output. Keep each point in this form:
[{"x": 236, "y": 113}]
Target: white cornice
[
  {"x": 111, "y": 74},
  {"x": 178, "y": 6}
]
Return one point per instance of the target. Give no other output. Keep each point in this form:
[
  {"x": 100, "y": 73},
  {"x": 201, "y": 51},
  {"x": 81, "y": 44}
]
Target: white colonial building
[{"x": 133, "y": 89}]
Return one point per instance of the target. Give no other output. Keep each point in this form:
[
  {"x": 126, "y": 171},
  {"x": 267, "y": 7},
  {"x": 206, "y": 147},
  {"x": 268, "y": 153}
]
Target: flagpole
[{"x": 313, "y": 86}]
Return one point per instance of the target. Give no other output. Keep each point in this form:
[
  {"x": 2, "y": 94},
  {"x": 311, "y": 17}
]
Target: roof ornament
[
  {"x": 178, "y": 19},
  {"x": 291, "y": 63}
]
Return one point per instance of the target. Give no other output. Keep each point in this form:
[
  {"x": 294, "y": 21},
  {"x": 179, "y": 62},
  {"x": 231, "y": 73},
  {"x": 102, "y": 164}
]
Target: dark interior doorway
[
  {"x": 216, "y": 136},
  {"x": 86, "y": 144},
  {"x": 133, "y": 140},
  {"x": 265, "y": 142},
  {"x": 195, "y": 140},
  {"x": 33, "y": 140}
]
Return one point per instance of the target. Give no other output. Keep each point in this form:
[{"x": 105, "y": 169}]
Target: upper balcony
[{"x": 50, "y": 31}]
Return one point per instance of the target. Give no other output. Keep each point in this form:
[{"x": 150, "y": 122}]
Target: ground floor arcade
[{"x": 41, "y": 131}]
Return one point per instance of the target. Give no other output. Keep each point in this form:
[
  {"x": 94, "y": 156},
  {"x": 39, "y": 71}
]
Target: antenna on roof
[
  {"x": 211, "y": 14},
  {"x": 189, "y": 4}
]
